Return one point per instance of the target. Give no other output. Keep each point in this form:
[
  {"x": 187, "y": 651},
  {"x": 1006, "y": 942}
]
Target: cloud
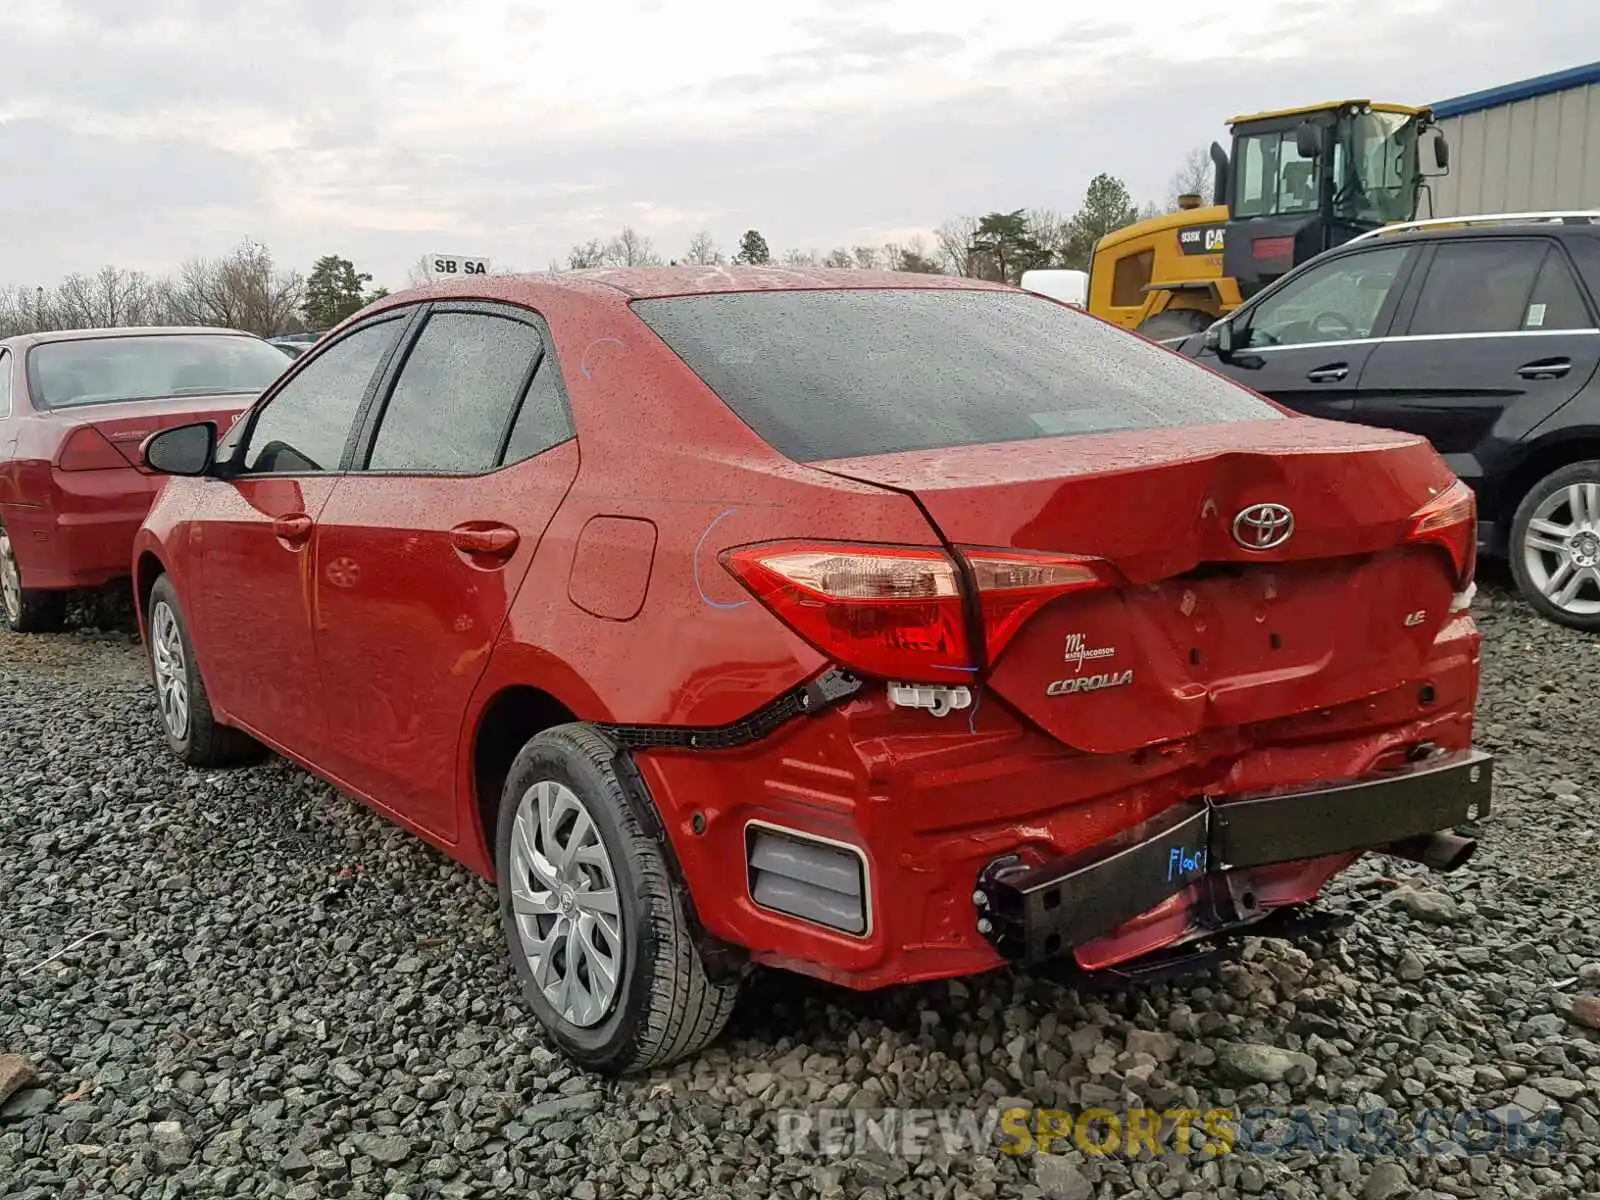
[{"x": 144, "y": 131}]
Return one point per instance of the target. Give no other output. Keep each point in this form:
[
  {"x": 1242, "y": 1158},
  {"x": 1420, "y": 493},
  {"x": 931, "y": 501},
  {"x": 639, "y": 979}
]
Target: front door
[
  {"x": 423, "y": 546},
  {"x": 251, "y": 597},
  {"x": 1307, "y": 343}
]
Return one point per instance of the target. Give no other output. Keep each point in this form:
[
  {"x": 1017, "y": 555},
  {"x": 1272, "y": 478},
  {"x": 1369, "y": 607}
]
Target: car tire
[
  {"x": 617, "y": 980},
  {"x": 27, "y": 610},
  {"x": 1176, "y": 323},
  {"x": 1555, "y": 546},
  {"x": 184, "y": 708}
]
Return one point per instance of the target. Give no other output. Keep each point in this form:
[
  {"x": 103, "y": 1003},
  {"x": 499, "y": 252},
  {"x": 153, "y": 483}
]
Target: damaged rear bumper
[{"x": 1041, "y": 911}]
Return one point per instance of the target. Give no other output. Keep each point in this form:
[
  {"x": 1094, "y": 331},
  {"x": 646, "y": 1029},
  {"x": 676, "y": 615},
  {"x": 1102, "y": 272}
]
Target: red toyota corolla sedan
[
  {"x": 74, "y": 408},
  {"x": 878, "y": 627}
]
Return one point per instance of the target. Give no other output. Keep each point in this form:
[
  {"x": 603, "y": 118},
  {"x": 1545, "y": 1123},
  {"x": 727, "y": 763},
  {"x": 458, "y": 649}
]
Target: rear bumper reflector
[
  {"x": 1038, "y": 912},
  {"x": 801, "y": 876}
]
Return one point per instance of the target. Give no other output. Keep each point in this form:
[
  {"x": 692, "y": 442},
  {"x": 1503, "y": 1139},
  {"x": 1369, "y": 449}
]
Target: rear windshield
[
  {"x": 841, "y": 374},
  {"x": 105, "y": 370}
]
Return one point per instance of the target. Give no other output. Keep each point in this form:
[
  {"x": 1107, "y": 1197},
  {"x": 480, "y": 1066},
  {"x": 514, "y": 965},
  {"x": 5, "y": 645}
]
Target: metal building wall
[{"x": 1530, "y": 155}]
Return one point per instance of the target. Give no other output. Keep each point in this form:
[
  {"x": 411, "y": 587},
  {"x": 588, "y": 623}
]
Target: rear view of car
[
  {"x": 72, "y": 492},
  {"x": 872, "y": 626}
]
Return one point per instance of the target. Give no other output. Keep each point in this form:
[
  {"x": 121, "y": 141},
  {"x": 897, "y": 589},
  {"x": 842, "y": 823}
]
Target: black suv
[{"x": 1483, "y": 338}]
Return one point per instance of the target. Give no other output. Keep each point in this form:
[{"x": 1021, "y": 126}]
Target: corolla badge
[{"x": 1263, "y": 526}]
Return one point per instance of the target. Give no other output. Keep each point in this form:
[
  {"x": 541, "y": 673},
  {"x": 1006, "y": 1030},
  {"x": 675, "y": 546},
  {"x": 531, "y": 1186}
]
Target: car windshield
[
  {"x": 105, "y": 370},
  {"x": 845, "y": 373}
]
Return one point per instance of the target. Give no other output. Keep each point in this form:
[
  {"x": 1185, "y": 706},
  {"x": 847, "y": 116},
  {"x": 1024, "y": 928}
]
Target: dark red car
[
  {"x": 878, "y": 627},
  {"x": 74, "y": 408}
]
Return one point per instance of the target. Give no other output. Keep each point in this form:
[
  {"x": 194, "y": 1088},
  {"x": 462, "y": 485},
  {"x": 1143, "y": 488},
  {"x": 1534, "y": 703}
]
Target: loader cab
[{"x": 1305, "y": 180}]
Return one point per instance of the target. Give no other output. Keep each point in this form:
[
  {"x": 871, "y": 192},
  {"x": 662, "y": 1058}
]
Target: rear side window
[
  {"x": 452, "y": 405},
  {"x": 1479, "y": 287},
  {"x": 841, "y": 374},
  {"x": 5, "y": 385},
  {"x": 543, "y": 420},
  {"x": 1556, "y": 302}
]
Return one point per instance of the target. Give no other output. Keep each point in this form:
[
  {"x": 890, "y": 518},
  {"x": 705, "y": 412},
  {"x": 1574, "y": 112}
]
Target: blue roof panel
[{"x": 1508, "y": 93}]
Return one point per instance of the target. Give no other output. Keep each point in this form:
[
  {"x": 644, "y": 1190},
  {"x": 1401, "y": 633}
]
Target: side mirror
[
  {"x": 182, "y": 450},
  {"x": 1441, "y": 152},
  {"x": 1308, "y": 140},
  {"x": 1219, "y": 339}
]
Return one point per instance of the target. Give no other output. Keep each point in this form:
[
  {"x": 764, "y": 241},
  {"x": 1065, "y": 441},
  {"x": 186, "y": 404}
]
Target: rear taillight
[
  {"x": 1450, "y": 521},
  {"x": 87, "y": 449},
  {"x": 900, "y": 612},
  {"x": 1012, "y": 587}
]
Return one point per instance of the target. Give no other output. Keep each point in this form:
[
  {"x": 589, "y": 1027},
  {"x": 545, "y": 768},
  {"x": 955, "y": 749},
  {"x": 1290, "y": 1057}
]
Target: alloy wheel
[
  {"x": 10, "y": 580},
  {"x": 1561, "y": 549},
  {"x": 565, "y": 903},
  {"x": 171, "y": 669}
]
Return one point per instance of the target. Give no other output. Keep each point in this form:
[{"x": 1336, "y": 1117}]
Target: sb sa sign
[{"x": 453, "y": 266}]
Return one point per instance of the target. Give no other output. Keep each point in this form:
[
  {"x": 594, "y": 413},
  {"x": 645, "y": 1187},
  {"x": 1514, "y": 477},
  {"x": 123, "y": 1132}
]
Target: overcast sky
[{"x": 140, "y": 132}]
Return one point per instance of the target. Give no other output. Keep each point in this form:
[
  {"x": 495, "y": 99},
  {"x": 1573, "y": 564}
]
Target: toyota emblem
[{"x": 1263, "y": 526}]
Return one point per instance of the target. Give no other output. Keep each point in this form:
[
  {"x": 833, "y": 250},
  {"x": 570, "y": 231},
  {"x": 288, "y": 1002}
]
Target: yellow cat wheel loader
[{"x": 1298, "y": 181}]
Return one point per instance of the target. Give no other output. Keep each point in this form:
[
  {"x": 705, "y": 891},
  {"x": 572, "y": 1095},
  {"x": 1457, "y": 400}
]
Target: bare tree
[
  {"x": 631, "y": 249},
  {"x": 911, "y": 256},
  {"x": 799, "y": 258},
  {"x": 866, "y": 257},
  {"x": 590, "y": 254},
  {"x": 1194, "y": 177},
  {"x": 703, "y": 251},
  {"x": 245, "y": 290},
  {"x": 27, "y": 310},
  {"x": 956, "y": 252},
  {"x": 1052, "y": 231},
  {"x": 421, "y": 273},
  {"x": 839, "y": 257},
  {"x": 108, "y": 298}
]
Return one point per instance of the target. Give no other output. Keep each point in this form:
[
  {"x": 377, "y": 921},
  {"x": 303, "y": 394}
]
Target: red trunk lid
[
  {"x": 1201, "y": 632},
  {"x": 126, "y": 426}
]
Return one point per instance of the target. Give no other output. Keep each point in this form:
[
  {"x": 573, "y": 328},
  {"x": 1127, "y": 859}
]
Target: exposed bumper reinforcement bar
[{"x": 1039, "y": 912}]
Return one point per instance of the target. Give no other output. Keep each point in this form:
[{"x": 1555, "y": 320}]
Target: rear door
[
  {"x": 1306, "y": 344},
  {"x": 422, "y": 547},
  {"x": 1497, "y": 335}
]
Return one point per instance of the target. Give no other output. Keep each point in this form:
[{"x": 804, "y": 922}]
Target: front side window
[
  {"x": 1129, "y": 277},
  {"x": 5, "y": 385},
  {"x": 453, "y": 402},
  {"x": 1272, "y": 178},
  {"x": 830, "y": 374},
  {"x": 1336, "y": 302},
  {"x": 111, "y": 370},
  {"x": 304, "y": 427},
  {"x": 1498, "y": 285}
]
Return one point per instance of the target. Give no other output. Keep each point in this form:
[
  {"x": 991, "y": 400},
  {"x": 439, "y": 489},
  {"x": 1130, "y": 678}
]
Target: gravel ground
[{"x": 282, "y": 995}]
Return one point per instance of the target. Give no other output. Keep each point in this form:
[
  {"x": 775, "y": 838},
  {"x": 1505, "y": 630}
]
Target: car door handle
[
  {"x": 498, "y": 541},
  {"x": 1331, "y": 374},
  {"x": 1550, "y": 368},
  {"x": 293, "y": 529}
]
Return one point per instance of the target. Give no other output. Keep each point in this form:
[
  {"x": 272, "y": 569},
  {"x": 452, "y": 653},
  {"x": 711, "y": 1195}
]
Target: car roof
[
  {"x": 622, "y": 284},
  {"x": 1510, "y": 228},
  {"x": 25, "y": 340}
]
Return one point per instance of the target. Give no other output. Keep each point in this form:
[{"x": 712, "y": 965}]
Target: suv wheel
[
  {"x": 596, "y": 929},
  {"x": 26, "y": 610},
  {"x": 1555, "y": 546}
]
